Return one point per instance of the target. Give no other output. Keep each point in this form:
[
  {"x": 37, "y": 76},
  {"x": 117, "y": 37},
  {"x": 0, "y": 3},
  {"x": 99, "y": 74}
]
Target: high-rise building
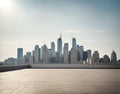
[
  {"x": 45, "y": 56},
  {"x": 113, "y": 57},
  {"x": 106, "y": 59},
  {"x": 53, "y": 49},
  {"x": 78, "y": 53},
  {"x": 28, "y": 57},
  {"x": 96, "y": 57},
  {"x": 65, "y": 53},
  {"x": 85, "y": 55},
  {"x": 28, "y": 54},
  {"x": 31, "y": 60},
  {"x": 89, "y": 53},
  {"x": 73, "y": 56},
  {"x": 36, "y": 55},
  {"x": 89, "y": 58},
  {"x": 59, "y": 46},
  {"x": 81, "y": 53},
  {"x": 20, "y": 55},
  {"x": 57, "y": 60},
  {"x": 73, "y": 43},
  {"x": 49, "y": 55},
  {"x": 33, "y": 53},
  {"x": 25, "y": 59}
]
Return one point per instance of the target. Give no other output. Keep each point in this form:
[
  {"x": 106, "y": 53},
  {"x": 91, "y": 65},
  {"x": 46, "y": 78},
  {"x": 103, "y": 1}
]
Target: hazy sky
[{"x": 24, "y": 23}]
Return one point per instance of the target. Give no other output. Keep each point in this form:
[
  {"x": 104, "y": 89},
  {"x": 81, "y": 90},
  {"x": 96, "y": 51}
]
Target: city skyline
[
  {"x": 76, "y": 55},
  {"x": 94, "y": 24}
]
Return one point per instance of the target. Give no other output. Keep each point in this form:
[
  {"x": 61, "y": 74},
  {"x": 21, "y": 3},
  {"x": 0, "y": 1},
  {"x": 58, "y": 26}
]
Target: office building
[
  {"x": 28, "y": 54},
  {"x": 20, "y": 55},
  {"x": 78, "y": 53},
  {"x": 65, "y": 53},
  {"x": 49, "y": 55},
  {"x": 31, "y": 60},
  {"x": 59, "y": 46},
  {"x": 53, "y": 49},
  {"x": 36, "y": 55},
  {"x": 96, "y": 57},
  {"x": 89, "y": 59},
  {"x": 45, "y": 56},
  {"x": 81, "y": 53},
  {"x": 106, "y": 59},
  {"x": 113, "y": 57},
  {"x": 73, "y": 56},
  {"x": 89, "y": 53},
  {"x": 74, "y": 43}
]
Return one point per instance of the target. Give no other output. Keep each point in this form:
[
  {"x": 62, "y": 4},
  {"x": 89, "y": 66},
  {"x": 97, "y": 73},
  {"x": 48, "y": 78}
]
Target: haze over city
[{"x": 26, "y": 23}]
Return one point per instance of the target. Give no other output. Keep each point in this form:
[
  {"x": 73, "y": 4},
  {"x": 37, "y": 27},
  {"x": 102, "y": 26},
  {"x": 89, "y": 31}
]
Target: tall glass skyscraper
[
  {"x": 36, "y": 54},
  {"x": 113, "y": 57},
  {"x": 65, "y": 52},
  {"x": 59, "y": 46},
  {"x": 20, "y": 55},
  {"x": 65, "y": 48},
  {"x": 81, "y": 53},
  {"x": 53, "y": 49},
  {"x": 74, "y": 43},
  {"x": 45, "y": 54}
]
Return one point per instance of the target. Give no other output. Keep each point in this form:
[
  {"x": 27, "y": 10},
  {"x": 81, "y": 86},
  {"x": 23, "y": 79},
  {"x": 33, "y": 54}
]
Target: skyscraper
[
  {"x": 28, "y": 56},
  {"x": 81, "y": 53},
  {"x": 45, "y": 54},
  {"x": 73, "y": 56},
  {"x": 96, "y": 57},
  {"x": 85, "y": 55},
  {"x": 89, "y": 58},
  {"x": 53, "y": 49},
  {"x": 88, "y": 53},
  {"x": 49, "y": 55},
  {"x": 106, "y": 59},
  {"x": 65, "y": 53},
  {"x": 20, "y": 55},
  {"x": 73, "y": 43},
  {"x": 113, "y": 57},
  {"x": 33, "y": 53},
  {"x": 25, "y": 59},
  {"x": 78, "y": 52},
  {"x": 36, "y": 54},
  {"x": 59, "y": 46}
]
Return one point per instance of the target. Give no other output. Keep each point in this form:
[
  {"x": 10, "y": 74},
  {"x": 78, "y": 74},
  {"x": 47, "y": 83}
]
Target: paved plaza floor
[{"x": 60, "y": 81}]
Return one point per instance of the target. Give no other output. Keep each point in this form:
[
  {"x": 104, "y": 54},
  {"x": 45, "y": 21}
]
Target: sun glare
[{"x": 6, "y": 4}]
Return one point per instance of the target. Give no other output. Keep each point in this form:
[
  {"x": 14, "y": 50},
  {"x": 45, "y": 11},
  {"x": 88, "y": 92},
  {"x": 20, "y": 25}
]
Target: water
[{"x": 60, "y": 81}]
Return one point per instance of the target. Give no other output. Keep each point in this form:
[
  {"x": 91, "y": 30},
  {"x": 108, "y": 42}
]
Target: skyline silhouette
[{"x": 76, "y": 55}]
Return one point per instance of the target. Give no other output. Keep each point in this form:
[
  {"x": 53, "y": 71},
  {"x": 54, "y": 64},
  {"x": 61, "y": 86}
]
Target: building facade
[
  {"x": 65, "y": 53},
  {"x": 113, "y": 57},
  {"x": 36, "y": 54},
  {"x": 20, "y": 55},
  {"x": 96, "y": 57},
  {"x": 53, "y": 49},
  {"x": 74, "y": 43},
  {"x": 59, "y": 46},
  {"x": 73, "y": 56},
  {"x": 45, "y": 54}
]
